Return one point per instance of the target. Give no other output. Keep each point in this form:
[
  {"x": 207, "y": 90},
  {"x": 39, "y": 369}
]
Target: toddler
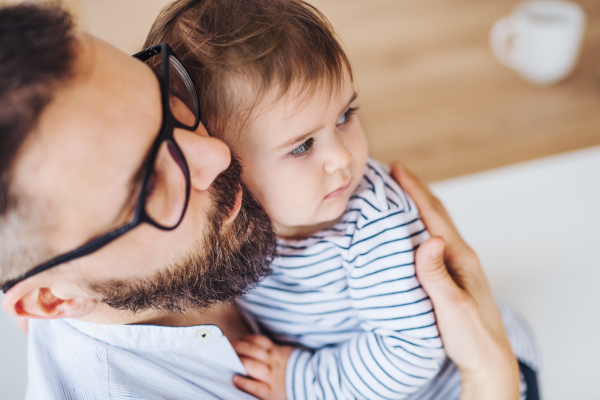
[
  {"x": 277, "y": 87},
  {"x": 344, "y": 284}
]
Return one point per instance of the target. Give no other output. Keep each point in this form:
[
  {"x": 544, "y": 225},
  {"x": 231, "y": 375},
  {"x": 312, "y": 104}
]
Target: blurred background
[
  {"x": 518, "y": 165},
  {"x": 431, "y": 92}
]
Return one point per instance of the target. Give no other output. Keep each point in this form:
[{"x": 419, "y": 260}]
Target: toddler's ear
[{"x": 28, "y": 300}]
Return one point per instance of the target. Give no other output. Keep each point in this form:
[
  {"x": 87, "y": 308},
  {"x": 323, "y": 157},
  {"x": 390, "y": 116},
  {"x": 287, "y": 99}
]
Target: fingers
[
  {"x": 433, "y": 275},
  {"x": 254, "y": 352},
  {"x": 265, "y": 363},
  {"x": 461, "y": 260},
  {"x": 251, "y": 350},
  {"x": 255, "y": 388},
  {"x": 472, "y": 332},
  {"x": 256, "y": 369},
  {"x": 432, "y": 211},
  {"x": 257, "y": 340},
  {"x": 260, "y": 340}
]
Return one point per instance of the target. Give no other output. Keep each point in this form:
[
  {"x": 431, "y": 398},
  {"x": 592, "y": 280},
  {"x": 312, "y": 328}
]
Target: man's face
[{"x": 82, "y": 162}]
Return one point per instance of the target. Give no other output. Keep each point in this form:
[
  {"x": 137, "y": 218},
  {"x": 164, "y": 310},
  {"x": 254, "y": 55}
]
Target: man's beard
[{"x": 230, "y": 260}]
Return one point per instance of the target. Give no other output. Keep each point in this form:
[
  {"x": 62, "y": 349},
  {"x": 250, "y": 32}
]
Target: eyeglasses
[{"x": 165, "y": 189}]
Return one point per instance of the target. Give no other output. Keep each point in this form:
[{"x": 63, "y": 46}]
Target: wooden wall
[{"x": 430, "y": 91}]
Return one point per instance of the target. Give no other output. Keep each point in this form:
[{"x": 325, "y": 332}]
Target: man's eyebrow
[
  {"x": 135, "y": 183},
  {"x": 303, "y": 137}
]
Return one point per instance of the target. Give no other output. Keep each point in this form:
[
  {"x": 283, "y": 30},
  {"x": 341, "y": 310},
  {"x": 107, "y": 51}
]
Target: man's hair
[
  {"x": 267, "y": 44},
  {"x": 36, "y": 55}
]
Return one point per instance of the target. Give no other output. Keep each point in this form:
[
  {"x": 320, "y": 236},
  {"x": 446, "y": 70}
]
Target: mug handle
[{"x": 500, "y": 35}]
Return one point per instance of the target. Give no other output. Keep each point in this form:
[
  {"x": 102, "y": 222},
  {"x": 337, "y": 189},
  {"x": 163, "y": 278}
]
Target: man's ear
[{"x": 30, "y": 300}]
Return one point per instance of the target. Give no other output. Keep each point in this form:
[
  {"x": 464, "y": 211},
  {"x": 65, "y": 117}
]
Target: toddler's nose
[{"x": 338, "y": 159}]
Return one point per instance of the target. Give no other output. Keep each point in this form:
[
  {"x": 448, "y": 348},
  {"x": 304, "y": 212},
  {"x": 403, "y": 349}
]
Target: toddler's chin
[{"x": 334, "y": 215}]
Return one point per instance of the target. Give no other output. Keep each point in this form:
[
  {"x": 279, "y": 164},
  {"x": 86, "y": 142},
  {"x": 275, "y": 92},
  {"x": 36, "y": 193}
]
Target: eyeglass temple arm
[
  {"x": 149, "y": 52},
  {"x": 82, "y": 251}
]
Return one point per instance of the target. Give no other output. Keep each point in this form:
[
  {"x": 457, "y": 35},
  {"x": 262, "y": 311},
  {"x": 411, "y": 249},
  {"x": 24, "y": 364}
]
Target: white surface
[
  {"x": 13, "y": 359},
  {"x": 536, "y": 227}
]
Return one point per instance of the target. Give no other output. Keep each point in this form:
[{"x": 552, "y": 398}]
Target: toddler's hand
[{"x": 265, "y": 363}]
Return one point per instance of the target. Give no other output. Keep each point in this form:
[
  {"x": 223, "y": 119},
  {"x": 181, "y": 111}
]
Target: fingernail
[{"x": 435, "y": 252}]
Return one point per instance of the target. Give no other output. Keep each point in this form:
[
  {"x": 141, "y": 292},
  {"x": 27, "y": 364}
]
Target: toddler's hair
[{"x": 238, "y": 50}]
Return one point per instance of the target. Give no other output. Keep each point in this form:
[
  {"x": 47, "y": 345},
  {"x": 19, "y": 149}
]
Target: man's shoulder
[
  {"x": 75, "y": 359},
  {"x": 64, "y": 363}
]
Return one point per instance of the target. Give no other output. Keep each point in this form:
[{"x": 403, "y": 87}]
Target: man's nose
[
  {"x": 338, "y": 157},
  {"x": 206, "y": 156}
]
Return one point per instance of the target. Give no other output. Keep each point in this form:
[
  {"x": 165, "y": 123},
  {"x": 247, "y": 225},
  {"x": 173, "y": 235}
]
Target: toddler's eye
[
  {"x": 303, "y": 148},
  {"x": 345, "y": 118}
]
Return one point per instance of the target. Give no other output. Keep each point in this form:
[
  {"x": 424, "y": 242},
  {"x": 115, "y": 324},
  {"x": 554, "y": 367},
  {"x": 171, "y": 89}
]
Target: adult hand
[{"x": 467, "y": 316}]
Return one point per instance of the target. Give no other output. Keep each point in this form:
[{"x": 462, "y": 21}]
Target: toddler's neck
[{"x": 302, "y": 231}]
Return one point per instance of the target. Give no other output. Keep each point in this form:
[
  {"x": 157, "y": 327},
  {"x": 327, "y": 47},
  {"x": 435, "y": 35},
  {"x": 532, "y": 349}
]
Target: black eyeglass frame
[{"x": 169, "y": 123}]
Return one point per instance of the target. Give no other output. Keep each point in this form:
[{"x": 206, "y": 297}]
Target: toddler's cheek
[
  {"x": 289, "y": 214},
  {"x": 361, "y": 159}
]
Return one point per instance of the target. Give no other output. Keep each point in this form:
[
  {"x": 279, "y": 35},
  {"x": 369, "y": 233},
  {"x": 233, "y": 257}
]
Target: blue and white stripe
[
  {"x": 350, "y": 297},
  {"x": 446, "y": 384}
]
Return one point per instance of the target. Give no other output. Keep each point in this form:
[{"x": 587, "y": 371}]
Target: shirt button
[{"x": 203, "y": 335}]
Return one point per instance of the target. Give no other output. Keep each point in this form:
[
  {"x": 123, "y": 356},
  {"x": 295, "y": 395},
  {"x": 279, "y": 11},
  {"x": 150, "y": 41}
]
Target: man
[
  {"x": 79, "y": 121},
  {"x": 124, "y": 233}
]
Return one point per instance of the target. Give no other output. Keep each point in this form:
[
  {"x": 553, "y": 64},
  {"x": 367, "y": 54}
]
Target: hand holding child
[
  {"x": 467, "y": 316},
  {"x": 265, "y": 363}
]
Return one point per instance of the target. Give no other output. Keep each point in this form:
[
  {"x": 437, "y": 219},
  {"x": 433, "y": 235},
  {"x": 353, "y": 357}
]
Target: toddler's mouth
[{"x": 338, "y": 191}]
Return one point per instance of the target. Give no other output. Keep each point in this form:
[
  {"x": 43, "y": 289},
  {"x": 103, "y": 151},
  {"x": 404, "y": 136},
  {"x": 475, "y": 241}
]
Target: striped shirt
[
  {"x": 350, "y": 298},
  {"x": 347, "y": 319},
  {"x": 446, "y": 384},
  {"x": 70, "y": 359}
]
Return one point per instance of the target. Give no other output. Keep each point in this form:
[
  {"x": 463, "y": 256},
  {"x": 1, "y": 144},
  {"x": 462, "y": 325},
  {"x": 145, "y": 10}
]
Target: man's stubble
[{"x": 231, "y": 259}]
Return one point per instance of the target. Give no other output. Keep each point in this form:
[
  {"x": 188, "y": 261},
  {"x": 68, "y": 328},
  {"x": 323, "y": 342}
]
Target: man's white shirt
[{"x": 70, "y": 359}]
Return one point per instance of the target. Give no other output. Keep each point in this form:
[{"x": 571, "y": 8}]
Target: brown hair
[
  {"x": 37, "y": 54},
  {"x": 271, "y": 42}
]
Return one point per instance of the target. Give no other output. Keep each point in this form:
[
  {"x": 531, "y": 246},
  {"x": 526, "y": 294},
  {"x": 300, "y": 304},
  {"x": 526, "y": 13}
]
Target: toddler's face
[{"x": 303, "y": 158}]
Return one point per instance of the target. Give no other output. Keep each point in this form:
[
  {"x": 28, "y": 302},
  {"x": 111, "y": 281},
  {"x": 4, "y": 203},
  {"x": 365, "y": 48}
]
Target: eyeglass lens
[
  {"x": 184, "y": 100},
  {"x": 166, "y": 191}
]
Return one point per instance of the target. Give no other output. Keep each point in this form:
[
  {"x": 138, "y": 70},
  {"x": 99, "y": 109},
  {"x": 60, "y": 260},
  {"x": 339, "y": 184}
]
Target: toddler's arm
[{"x": 400, "y": 349}]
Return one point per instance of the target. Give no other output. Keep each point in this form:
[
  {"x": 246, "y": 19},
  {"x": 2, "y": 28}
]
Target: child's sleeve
[{"x": 399, "y": 349}]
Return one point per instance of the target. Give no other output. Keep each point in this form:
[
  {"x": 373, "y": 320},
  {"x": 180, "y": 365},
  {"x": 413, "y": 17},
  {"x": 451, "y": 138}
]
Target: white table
[{"x": 536, "y": 227}]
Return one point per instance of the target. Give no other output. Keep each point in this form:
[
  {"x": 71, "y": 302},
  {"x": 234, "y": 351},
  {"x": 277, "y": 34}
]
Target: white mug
[{"x": 540, "y": 40}]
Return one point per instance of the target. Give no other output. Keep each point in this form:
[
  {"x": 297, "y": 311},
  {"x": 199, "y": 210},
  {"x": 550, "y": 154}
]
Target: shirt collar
[{"x": 144, "y": 337}]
